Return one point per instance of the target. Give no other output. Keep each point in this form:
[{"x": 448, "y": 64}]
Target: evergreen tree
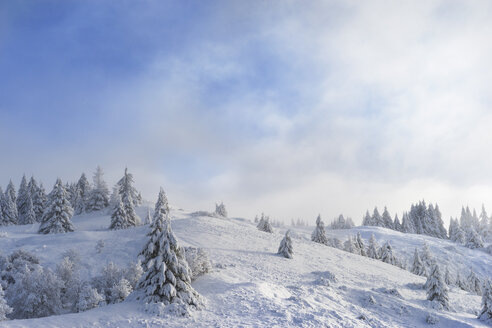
[
  {"x": 349, "y": 246},
  {"x": 319, "y": 233},
  {"x": 9, "y": 209},
  {"x": 473, "y": 239},
  {"x": 4, "y": 308},
  {"x": 387, "y": 255},
  {"x": 361, "y": 248},
  {"x": 473, "y": 283},
  {"x": 125, "y": 185},
  {"x": 396, "y": 224},
  {"x": 436, "y": 288},
  {"x": 29, "y": 215},
  {"x": 118, "y": 217},
  {"x": 220, "y": 210},
  {"x": 367, "y": 220},
  {"x": 99, "y": 195},
  {"x": 285, "y": 249},
  {"x": 39, "y": 201},
  {"x": 56, "y": 218},
  {"x": 84, "y": 189},
  {"x": 386, "y": 218},
  {"x": 376, "y": 218},
  {"x": 264, "y": 224},
  {"x": 78, "y": 201},
  {"x": 407, "y": 224},
  {"x": 373, "y": 248},
  {"x": 10, "y": 190},
  {"x": 418, "y": 266},
  {"x": 126, "y": 190},
  {"x": 486, "y": 312},
  {"x": 1, "y": 207},
  {"x": 484, "y": 224},
  {"x": 148, "y": 217},
  {"x": 166, "y": 275},
  {"x": 22, "y": 200},
  {"x": 460, "y": 282},
  {"x": 427, "y": 257},
  {"x": 162, "y": 204}
]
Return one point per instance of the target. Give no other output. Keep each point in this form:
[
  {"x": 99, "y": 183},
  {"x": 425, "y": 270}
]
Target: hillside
[{"x": 250, "y": 286}]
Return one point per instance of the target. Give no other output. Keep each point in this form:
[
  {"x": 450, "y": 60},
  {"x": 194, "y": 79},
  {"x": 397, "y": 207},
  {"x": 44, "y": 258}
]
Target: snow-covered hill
[{"x": 251, "y": 286}]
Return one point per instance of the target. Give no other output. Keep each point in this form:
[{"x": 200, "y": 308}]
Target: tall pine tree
[{"x": 56, "y": 218}]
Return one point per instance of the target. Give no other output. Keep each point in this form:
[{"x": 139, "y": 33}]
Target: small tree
[
  {"x": 373, "y": 248},
  {"x": 220, "y": 210},
  {"x": 486, "y": 312},
  {"x": 118, "y": 218},
  {"x": 4, "y": 308},
  {"x": 99, "y": 194},
  {"x": 264, "y": 224},
  {"x": 436, "y": 288},
  {"x": 387, "y": 255},
  {"x": 56, "y": 218},
  {"x": 285, "y": 247},
  {"x": 359, "y": 243},
  {"x": 88, "y": 299},
  {"x": 473, "y": 239},
  {"x": 319, "y": 233},
  {"x": 418, "y": 266}
]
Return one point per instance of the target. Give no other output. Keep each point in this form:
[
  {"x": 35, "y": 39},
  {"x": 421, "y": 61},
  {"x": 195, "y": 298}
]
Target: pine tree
[
  {"x": 484, "y": 224},
  {"x": 418, "y": 266},
  {"x": 125, "y": 185},
  {"x": 10, "y": 190},
  {"x": 148, "y": 217},
  {"x": 473, "y": 283},
  {"x": 162, "y": 204},
  {"x": 166, "y": 275},
  {"x": 22, "y": 200},
  {"x": 2, "y": 219},
  {"x": 99, "y": 195},
  {"x": 436, "y": 288},
  {"x": 285, "y": 247},
  {"x": 367, "y": 220},
  {"x": 486, "y": 312},
  {"x": 386, "y": 219},
  {"x": 387, "y": 255},
  {"x": 373, "y": 248},
  {"x": 4, "y": 308},
  {"x": 396, "y": 224},
  {"x": 460, "y": 283},
  {"x": 319, "y": 233},
  {"x": 78, "y": 201},
  {"x": 427, "y": 257},
  {"x": 9, "y": 209},
  {"x": 264, "y": 224},
  {"x": 84, "y": 189},
  {"x": 376, "y": 218},
  {"x": 118, "y": 217},
  {"x": 407, "y": 224},
  {"x": 56, "y": 218},
  {"x": 361, "y": 248},
  {"x": 473, "y": 239},
  {"x": 39, "y": 201},
  {"x": 220, "y": 210},
  {"x": 125, "y": 191},
  {"x": 29, "y": 215}
]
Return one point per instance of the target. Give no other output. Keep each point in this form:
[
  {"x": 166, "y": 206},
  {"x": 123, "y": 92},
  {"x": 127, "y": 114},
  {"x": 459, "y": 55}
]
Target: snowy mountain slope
[{"x": 250, "y": 285}]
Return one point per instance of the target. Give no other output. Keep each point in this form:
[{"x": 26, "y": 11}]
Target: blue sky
[{"x": 284, "y": 107}]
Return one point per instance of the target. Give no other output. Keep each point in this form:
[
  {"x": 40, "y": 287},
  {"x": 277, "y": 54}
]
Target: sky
[{"x": 291, "y": 108}]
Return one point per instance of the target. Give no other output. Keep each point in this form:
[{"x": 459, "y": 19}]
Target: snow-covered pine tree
[
  {"x": 126, "y": 184},
  {"x": 407, "y": 224},
  {"x": 285, "y": 249},
  {"x": 118, "y": 217},
  {"x": 447, "y": 277},
  {"x": 474, "y": 284},
  {"x": 439, "y": 224},
  {"x": 148, "y": 217},
  {"x": 436, "y": 288},
  {"x": 10, "y": 190},
  {"x": 319, "y": 233},
  {"x": 387, "y": 255},
  {"x": 396, "y": 224},
  {"x": 359, "y": 243},
  {"x": 376, "y": 218},
  {"x": 22, "y": 199},
  {"x": 220, "y": 210},
  {"x": 99, "y": 194},
  {"x": 264, "y": 224},
  {"x": 126, "y": 190},
  {"x": 350, "y": 246},
  {"x": 473, "y": 239},
  {"x": 9, "y": 209},
  {"x": 4, "y": 308},
  {"x": 84, "y": 188},
  {"x": 418, "y": 266},
  {"x": 78, "y": 201},
  {"x": 386, "y": 218},
  {"x": 367, "y": 220},
  {"x": 166, "y": 276},
  {"x": 486, "y": 312},
  {"x": 373, "y": 248},
  {"x": 484, "y": 224},
  {"x": 29, "y": 216},
  {"x": 56, "y": 218},
  {"x": 39, "y": 201},
  {"x": 427, "y": 257}
]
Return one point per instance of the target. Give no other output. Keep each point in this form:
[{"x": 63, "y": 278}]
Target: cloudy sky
[{"x": 289, "y": 107}]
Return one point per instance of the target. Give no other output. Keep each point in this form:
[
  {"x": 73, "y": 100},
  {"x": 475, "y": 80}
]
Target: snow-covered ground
[{"x": 251, "y": 286}]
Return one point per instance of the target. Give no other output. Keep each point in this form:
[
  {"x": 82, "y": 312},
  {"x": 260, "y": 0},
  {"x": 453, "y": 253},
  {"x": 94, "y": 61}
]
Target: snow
[{"x": 251, "y": 286}]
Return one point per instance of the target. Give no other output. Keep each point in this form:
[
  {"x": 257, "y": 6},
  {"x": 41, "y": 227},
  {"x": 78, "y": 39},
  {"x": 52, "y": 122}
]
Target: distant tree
[
  {"x": 264, "y": 224},
  {"x": 319, "y": 233},
  {"x": 407, "y": 224},
  {"x": 486, "y": 312},
  {"x": 359, "y": 244},
  {"x": 427, "y": 257},
  {"x": 342, "y": 223},
  {"x": 285, "y": 249},
  {"x": 148, "y": 217},
  {"x": 10, "y": 190},
  {"x": 418, "y": 266},
  {"x": 386, "y": 219},
  {"x": 4, "y": 308},
  {"x": 10, "y": 214},
  {"x": 396, "y": 224},
  {"x": 39, "y": 199},
  {"x": 473, "y": 283},
  {"x": 22, "y": 199},
  {"x": 119, "y": 218},
  {"x": 473, "y": 239},
  {"x": 376, "y": 218},
  {"x": 29, "y": 216},
  {"x": 98, "y": 197},
  {"x": 436, "y": 288},
  {"x": 56, "y": 218},
  {"x": 83, "y": 188},
  {"x": 220, "y": 210},
  {"x": 350, "y": 246},
  {"x": 485, "y": 229},
  {"x": 367, "y": 220},
  {"x": 166, "y": 275},
  {"x": 373, "y": 248},
  {"x": 387, "y": 255},
  {"x": 125, "y": 186}
]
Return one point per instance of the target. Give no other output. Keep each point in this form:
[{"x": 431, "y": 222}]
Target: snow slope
[{"x": 250, "y": 285}]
